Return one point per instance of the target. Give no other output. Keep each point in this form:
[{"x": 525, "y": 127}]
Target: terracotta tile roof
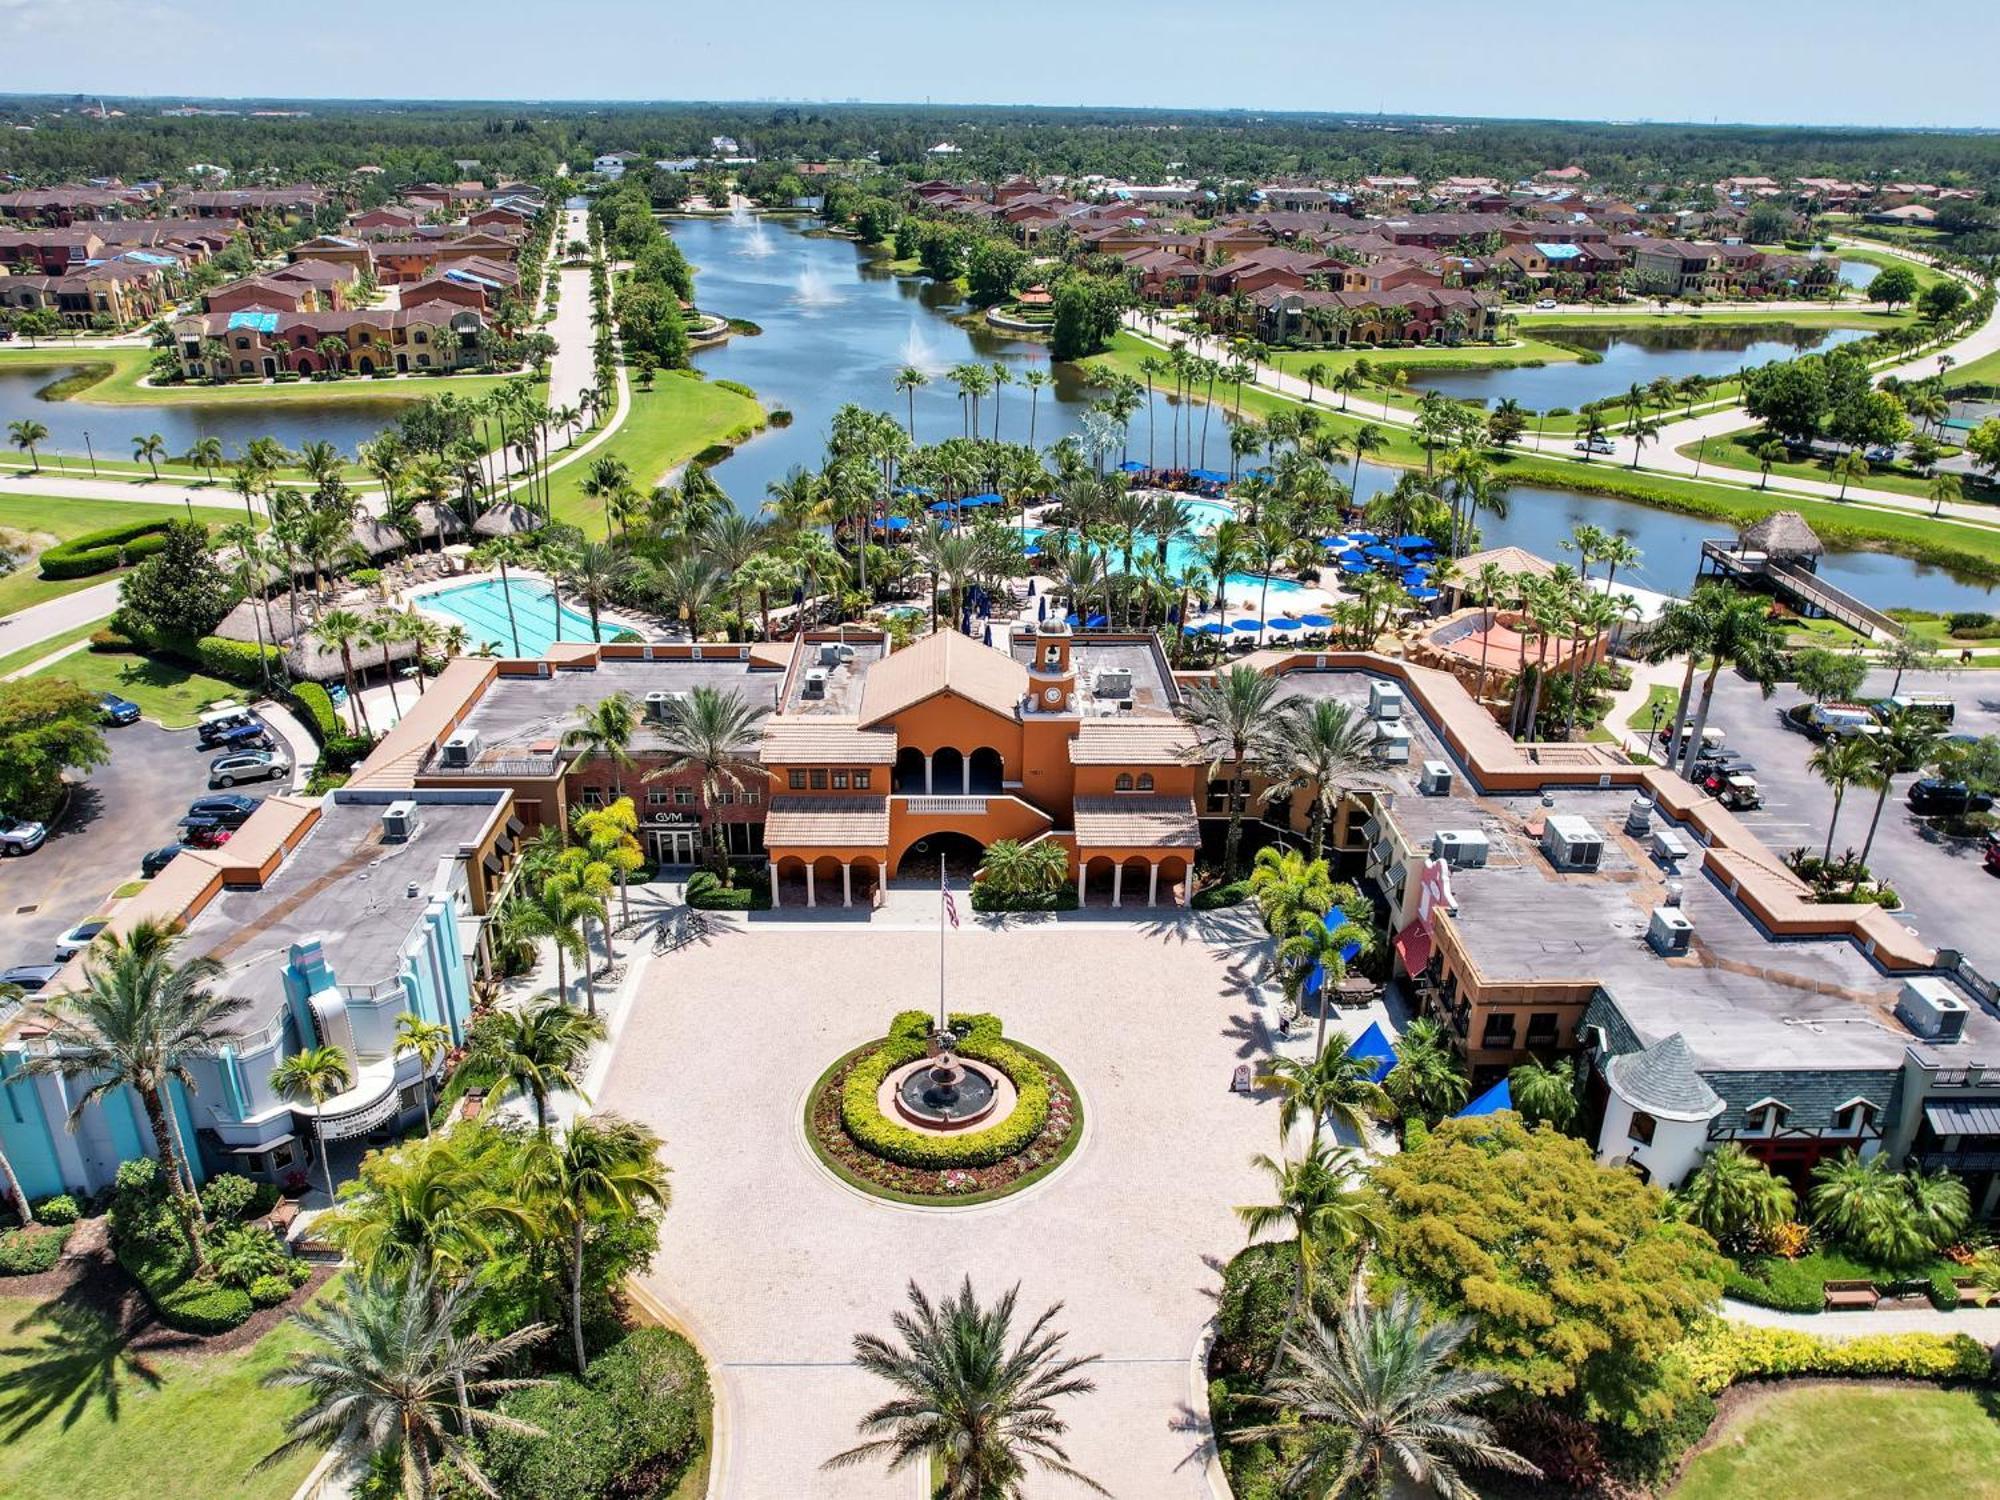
[
  {"x": 1129, "y": 742},
  {"x": 1136, "y": 822},
  {"x": 943, "y": 661},
  {"x": 1513, "y": 561},
  {"x": 827, "y": 820},
  {"x": 837, "y": 741}
]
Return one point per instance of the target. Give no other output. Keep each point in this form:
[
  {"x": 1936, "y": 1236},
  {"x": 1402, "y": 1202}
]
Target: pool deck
[{"x": 532, "y": 591}]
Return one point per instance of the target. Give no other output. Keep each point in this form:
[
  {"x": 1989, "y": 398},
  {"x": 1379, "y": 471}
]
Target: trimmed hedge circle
[{"x": 100, "y": 551}]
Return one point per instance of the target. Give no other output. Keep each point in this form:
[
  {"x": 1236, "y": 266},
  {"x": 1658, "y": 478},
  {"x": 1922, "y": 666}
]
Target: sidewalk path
[
  {"x": 54, "y": 617},
  {"x": 1983, "y": 1323}
]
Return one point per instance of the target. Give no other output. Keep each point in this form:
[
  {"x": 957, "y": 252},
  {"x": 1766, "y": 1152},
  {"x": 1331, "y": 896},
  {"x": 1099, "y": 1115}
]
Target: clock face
[{"x": 1052, "y": 696}]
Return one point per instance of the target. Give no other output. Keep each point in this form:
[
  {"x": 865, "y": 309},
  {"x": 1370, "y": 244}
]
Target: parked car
[
  {"x": 1598, "y": 445},
  {"x": 20, "y": 835},
  {"x": 226, "y": 809},
  {"x": 251, "y": 736},
  {"x": 29, "y": 977},
  {"x": 217, "y": 722},
  {"x": 1993, "y": 852},
  {"x": 78, "y": 938},
  {"x": 1545, "y": 304},
  {"x": 248, "y": 765},
  {"x": 203, "y": 833},
  {"x": 1881, "y": 453},
  {"x": 1934, "y": 797},
  {"x": 158, "y": 859},
  {"x": 117, "y": 710}
]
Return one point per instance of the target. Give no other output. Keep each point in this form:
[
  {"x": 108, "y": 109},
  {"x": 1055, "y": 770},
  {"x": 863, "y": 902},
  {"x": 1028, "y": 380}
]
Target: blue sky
[{"x": 1808, "y": 61}]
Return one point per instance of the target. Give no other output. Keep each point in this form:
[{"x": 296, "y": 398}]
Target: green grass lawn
[
  {"x": 1834, "y": 315},
  {"x": 1663, "y": 697},
  {"x": 125, "y": 367},
  {"x": 1853, "y": 1443},
  {"x": 1985, "y": 369},
  {"x": 668, "y": 425},
  {"x": 27, "y": 656},
  {"x": 1738, "y": 450},
  {"x": 164, "y": 690},
  {"x": 52, "y": 515},
  {"x": 85, "y": 1419}
]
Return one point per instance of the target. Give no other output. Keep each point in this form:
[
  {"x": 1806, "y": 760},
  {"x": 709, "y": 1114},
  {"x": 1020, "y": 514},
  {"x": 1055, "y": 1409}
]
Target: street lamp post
[{"x": 91, "y": 451}]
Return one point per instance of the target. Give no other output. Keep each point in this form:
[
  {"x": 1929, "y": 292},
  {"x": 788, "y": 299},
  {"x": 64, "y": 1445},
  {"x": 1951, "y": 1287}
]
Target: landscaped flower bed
[{"x": 886, "y": 1157}]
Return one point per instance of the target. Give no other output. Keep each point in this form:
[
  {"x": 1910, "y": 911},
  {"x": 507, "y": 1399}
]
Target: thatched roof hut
[
  {"x": 507, "y": 520},
  {"x": 430, "y": 518},
  {"x": 377, "y": 537},
  {"x": 1781, "y": 534}
]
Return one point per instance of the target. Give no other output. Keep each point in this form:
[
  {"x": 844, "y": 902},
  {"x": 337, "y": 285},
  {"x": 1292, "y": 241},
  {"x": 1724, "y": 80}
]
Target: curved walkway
[{"x": 1983, "y": 1323}]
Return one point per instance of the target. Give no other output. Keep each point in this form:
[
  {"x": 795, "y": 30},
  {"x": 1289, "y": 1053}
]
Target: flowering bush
[
  {"x": 1788, "y": 1240},
  {"x": 1718, "y": 1354}
]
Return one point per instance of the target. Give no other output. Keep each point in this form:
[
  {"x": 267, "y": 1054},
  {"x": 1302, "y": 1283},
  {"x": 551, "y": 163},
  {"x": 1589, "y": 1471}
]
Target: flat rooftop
[
  {"x": 845, "y": 664},
  {"x": 1110, "y": 673},
  {"x": 516, "y": 713},
  {"x": 343, "y": 885}
]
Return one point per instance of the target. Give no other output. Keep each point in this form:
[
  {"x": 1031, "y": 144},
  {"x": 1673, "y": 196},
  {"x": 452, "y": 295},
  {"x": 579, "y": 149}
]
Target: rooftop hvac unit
[
  {"x": 1930, "y": 1009},
  {"x": 1113, "y": 682},
  {"x": 815, "y": 683},
  {"x": 1385, "y": 701},
  {"x": 656, "y": 703},
  {"x": 1436, "y": 779},
  {"x": 399, "y": 822},
  {"x": 1392, "y": 742},
  {"x": 843, "y": 653},
  {"x": 461, "y": 750},
  {"x": 1669, "y": 931},
  {"x": 1461, "y": 848},
  {"x": 1571, "y": 843},
  {"x": 1639, "y": 816},
  {"x": 1670, "y": 846},
  {"x": 829, "y": 653}
]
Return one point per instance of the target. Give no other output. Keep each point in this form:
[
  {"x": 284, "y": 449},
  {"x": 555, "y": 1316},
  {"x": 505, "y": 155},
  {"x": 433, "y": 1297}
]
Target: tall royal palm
[
  {"x": 712, "y": 733},
  {"x": 1742, "y": 635},
  {"x": 1332, "y": 1088},
  {"x": 341, "y": 630},
  {"x": 1232, "y": 718},
  {"x": 1841, "y": 762},
  {"x": 972, "y": 1398},
  {"x": 139, "y": 1022},
  {"x": 538, "y": 1050},
  {"x": 382, "y": 1376},
  {"x": 1323, "y": 750}
]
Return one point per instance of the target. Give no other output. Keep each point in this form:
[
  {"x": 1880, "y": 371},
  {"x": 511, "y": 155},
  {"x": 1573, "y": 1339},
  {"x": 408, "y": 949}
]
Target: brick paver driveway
[{"x": 775, "y": 1267}]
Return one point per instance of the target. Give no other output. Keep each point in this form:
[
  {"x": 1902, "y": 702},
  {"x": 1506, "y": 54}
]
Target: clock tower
[{"x": 1051, "y": 674}]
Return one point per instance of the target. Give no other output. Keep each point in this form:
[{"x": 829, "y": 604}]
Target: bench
[
  {"x": 1970, "y": 1292},
  {"x": 1846, "y": 1294}
]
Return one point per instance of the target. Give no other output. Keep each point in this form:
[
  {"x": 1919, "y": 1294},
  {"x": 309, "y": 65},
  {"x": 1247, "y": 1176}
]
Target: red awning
[{"x": 1413, "y": 946}]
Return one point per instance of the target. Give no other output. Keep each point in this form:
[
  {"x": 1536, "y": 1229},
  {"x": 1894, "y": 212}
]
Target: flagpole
[{"x": 943, "y": 1022}]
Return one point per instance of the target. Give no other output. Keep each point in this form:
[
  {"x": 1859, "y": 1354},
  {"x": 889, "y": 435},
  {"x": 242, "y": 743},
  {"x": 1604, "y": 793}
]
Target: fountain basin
[{"x": 943, "y": 1096}]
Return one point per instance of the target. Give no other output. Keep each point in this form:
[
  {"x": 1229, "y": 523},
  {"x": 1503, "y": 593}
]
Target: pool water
[
  {"x": 538, "y": 621},
  {"x": 1202, "y": 517}
]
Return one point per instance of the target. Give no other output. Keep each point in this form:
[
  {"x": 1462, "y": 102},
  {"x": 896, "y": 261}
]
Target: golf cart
[
  {"x": 1739, "y": 793},
  {"x": 203, "y": 833}
]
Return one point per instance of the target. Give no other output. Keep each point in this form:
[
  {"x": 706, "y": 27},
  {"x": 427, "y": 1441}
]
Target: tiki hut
[
  {"x": 377, "y": 537},
  {"x": 432, "y": 519},
  {"x": 507, "y": 519},
  {"x": 1782, "y": 536}
]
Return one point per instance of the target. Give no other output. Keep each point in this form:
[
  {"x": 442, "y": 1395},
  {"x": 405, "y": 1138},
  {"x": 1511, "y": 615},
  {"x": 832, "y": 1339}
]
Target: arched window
[
  {"x": 1145, "y": 781},
  {"x": 1124, "y": 782}
]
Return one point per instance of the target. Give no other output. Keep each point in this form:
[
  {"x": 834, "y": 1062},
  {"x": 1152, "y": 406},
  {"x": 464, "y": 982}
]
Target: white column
[
  {"x": 1117, "y": 883},
  {"x": 1187, "y": 886},
  {"x": 1079, "y": 878},
  {"x": 965, "y": 776},
  {"x": 846, "y": 883},
  {"x": 810, "y": 901},
  {"x": 927, "y": 773},
  {"x": 1153, "y": 885},
  {"x": 772, "y": 866}
]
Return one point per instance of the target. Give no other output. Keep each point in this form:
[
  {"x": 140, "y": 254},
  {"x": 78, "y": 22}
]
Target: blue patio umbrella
[
  {"x": 1041, "y": 609},
  {"x": 989, "y": 634},
  {"x": 1318, "y": 622},
  {"x": 1373, "y": 1046},
  {"x": 1494, "y": 1100},
  {"x": 1072, "y": 620},
  {"x": 1352, "y": 565},
  {"x": 1423, "y": 594},
  {"x": 1283, "y": 623},
  {"x": 1213, "y": 627},
  {"x": 939, "y": 507},
  {"x": 1173, "y": 614},
  {"x": 1131, "y": 466},
  {"x": 1380, "y": 553},
  {"x": 1096, "y": 622},
  {"x": 1415, "y": 543},
  {"x": 1246, "y": 624},
  {"x": 1363, "y": 536},
  {"x": 989, "y": 498},
  {"x": 1208, "y": 476},
  {"x": 1193, "y": 629},
  {"x": 1031, "y": 588}
]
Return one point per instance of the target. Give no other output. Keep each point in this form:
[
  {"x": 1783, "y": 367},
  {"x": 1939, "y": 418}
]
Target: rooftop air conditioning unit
[
  {"x": 1669, "y": 931},
  {"x": 829, "y": 653},
  {"x": 843, "y": 653},
  {"x": 1669, "y": 846},
  {"x": 399, "y": 822},
  {"x": 1571, "y": 843},
  {"x": 1436, "y": 779},
  {"x": 656, "y": 705},
  {"x": 460, "y": 751},
  {"x": 1461, "y": 848},
  {"x": 1929, "y": 1008},
  {"x": 1392, "y": 742},
  {"x": 1113, "y": 682},
  {"x": 1385, "y": 701},
  {"x": 1639, "y": 816},
  {"x": 815, "y": 683}
]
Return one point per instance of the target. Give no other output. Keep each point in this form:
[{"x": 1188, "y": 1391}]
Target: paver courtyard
[{"x": 776, "y": 1265}]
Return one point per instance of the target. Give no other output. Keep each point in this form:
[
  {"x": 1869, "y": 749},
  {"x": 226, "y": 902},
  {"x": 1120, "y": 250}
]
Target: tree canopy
[{"x": 47, "y": 726}]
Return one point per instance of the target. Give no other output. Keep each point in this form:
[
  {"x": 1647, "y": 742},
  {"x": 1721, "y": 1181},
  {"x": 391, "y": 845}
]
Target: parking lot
[
  {"x": 1948, "y": 896},
  {"x": 126, "y": 807}
]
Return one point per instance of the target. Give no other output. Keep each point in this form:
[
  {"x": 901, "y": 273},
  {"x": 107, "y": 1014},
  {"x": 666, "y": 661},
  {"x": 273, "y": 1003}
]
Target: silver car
[
  {"x": 20, "y": 836},
  {"x": 248, "y": 765}
]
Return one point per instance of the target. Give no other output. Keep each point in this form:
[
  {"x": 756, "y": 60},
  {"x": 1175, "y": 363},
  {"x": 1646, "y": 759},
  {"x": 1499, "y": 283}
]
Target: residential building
[{"x": 257, "y": 343}]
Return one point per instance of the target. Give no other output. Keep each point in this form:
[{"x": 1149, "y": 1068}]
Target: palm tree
[
  {"x": 593, "y": 574},
  {"x": 1739, "y": 632},
  {"x": 537, "y": 1050},
  {"x": 1852, "y": 1196},
  {"x": 1317, "y": 949},
  {"x": 558, "y": 910},
  {"x": 152, "y": 448},
  {"x": 971, "y": 1398},
  {"x": 1849, "y": 467},
  {"x": 1322, "y": 748},
  {"x": 713, "y": 733},
  {"x": 1769, "y": 456},
  {"x": 1428, "y": 1078},
  {"x": 206, "y": 455},
  {"x": 1373, "y": 1405},
  {"x": 341, "y": 629},
  {"x": 1841, "y": 763},
  {"x": 1543, "y": 1091},
  {"x": 315, "y": 1074},
  {"x": 1907, "y": 739},
  {"x": 140, "y": 1021},
  {"x": 1944, "y": 489},
  {"x": 1326, "y": 1207},
  {"x": 383, "y": 1374},
  {"x": 504, "y": 552},
  {"x": 1232, "y": 717},
  {"x": 1012, "y": 868},
  {"x": 603, "y": 1173},
  {"x": 430, "y": 1041},
  {"x": 384, "y": 631},
  {"x": 1364, "y": 440},
  {"x": 910, "y": 380},
  {"x": 1734, "y": 1196},
  {"x": 606, "y": 728},
  {"x": 26, "y": 434},
  {"x": 1332, "y": 1087},
  {"x": 1292, "y": 891}
]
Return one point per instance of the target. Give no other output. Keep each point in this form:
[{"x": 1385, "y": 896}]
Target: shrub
[
  {"x": 707, "y": 893},
  {"x": 737, "y": 386},
  {"x": 1415, "y": 1133},
  {"x": 228, "y": 1196},
  {"x": 1210, "y": 897},
  {"x": 343, "y": 752},
  {"x": 111, "y": 640},
  {"x": 984, "y": 899},
  {"x": 316, "y": 708},
  {"x": 365, "y": 578},
  {"x": 26, "y": 1252},
  {"x": 61, "y": 1209},
  {"x": 242, "y": 662},
  {"x": 139, "y": 1175},
  {"x": 269, "y": 1291},
  {"x": 629, "y": 1427},
  {"x": 203, "y": 1307},
  {"x": 1257, "y": 1289},
  {"x": 101, "y": 551},
  {"x": 877, "y": 1134},
  {"x": 244, "y": 1254},
  {"x": 1720, "y": 1353}
]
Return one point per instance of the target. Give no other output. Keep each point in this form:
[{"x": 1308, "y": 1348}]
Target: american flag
[{"x": 950, "y": 908}]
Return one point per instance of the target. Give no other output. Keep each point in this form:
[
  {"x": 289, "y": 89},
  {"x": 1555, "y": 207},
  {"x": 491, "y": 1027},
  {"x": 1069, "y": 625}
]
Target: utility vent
[
  {"x": 1670, "y": 931},
  {"x": 1929, "y": 1008},
  {"x": 1670, "y": 847},
  {"x": 1385, "y": 701},
  {"x": 399, "y": 822},
  {"x": 815, "y": 686},
  {"x": 1639, "y": 817},
  {"x": 1571, "y": 843},
  {"x": 461, "y": 750},
  {"x": 1436, "y": 779},
  {"x": 834, "y": 653},
  {"x": 1392, "y": 742},
  {"x": 1112, "y": 682},
  {"x": 656, "y": 703},
  {"x": 1676, "y": 892},
  {"x": 1461, "y": 848}
]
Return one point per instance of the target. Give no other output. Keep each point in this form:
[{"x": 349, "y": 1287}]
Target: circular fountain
[{"x": 945, "y": 1092}]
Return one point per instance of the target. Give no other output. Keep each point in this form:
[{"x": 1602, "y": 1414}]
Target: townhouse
[{"x": 257, "y": 343}]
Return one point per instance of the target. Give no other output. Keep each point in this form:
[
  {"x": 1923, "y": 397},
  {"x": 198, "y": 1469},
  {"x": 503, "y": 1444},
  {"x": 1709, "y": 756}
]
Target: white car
[
  {"x": 1546, "y": 304},
  {"x": 21, "y": 836},
  {"x": 248, "y": 765},
  {"x": 79, "y": 938},
  {"x": 1599, "y": 445}
]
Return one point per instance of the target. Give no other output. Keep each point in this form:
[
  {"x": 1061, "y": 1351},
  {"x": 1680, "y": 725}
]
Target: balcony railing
[
  {"x": 952, "y": 806},
  {"x": 528, "y": 766}
]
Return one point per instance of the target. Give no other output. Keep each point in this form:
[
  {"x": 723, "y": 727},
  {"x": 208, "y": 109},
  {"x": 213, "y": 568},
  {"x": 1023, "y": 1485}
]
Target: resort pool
[
  {"x": 538, "y": 621},
  {"x": 1181, "y": 553}
]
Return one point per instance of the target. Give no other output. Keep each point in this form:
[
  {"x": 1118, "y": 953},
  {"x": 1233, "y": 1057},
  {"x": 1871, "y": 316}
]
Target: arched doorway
[
  {"x": 1097, "y": 880},
  {"x": 366, "y": 365},
  {"x": 867, "y": 881},
  {"x": 909, "y": 777},
  {"x": 961, "y": 853},
  {"x": 1135, "y": 881},
  {"x": 791, "y": 881},
  {"x": 988, "y": 771},
  {"x": 948, "y": 772},
  {"x": 1173, "y": 876}
]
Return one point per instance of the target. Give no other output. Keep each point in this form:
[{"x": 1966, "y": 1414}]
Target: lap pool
[{"x": 538, "y": 622}]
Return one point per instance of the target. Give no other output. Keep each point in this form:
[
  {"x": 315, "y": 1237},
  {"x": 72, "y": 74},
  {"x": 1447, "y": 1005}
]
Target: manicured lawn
[
  {"x": 1837, "y": 1442},
  {"x": 54, "y": 516},
  {"x": 1738, "y": 450},
  {"x": 1927, "y": 276},
  {"x": 27, "y": 656},
  {"x": 164, "y": 690},
  {"x": 1662, "y": 697},
  {"x": 124, "y": 368},
  {"x": 1844, "y": 315},
  {"x": 83, "y": 1419},
  {"x": 1985, "y": 369},
  {"x": 668, "y": 425}
]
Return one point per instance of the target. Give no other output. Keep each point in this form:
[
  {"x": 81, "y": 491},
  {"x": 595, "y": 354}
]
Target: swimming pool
[
  {"x": 538, "y": 622},
  {"x": 1203, "y": 515}
]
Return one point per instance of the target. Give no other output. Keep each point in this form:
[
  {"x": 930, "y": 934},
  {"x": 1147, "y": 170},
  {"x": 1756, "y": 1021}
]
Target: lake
[
  {"x": 292, "y": 420},
  {"x": 837, "y": 330},
  {"x": 1629, "y": 357}
]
